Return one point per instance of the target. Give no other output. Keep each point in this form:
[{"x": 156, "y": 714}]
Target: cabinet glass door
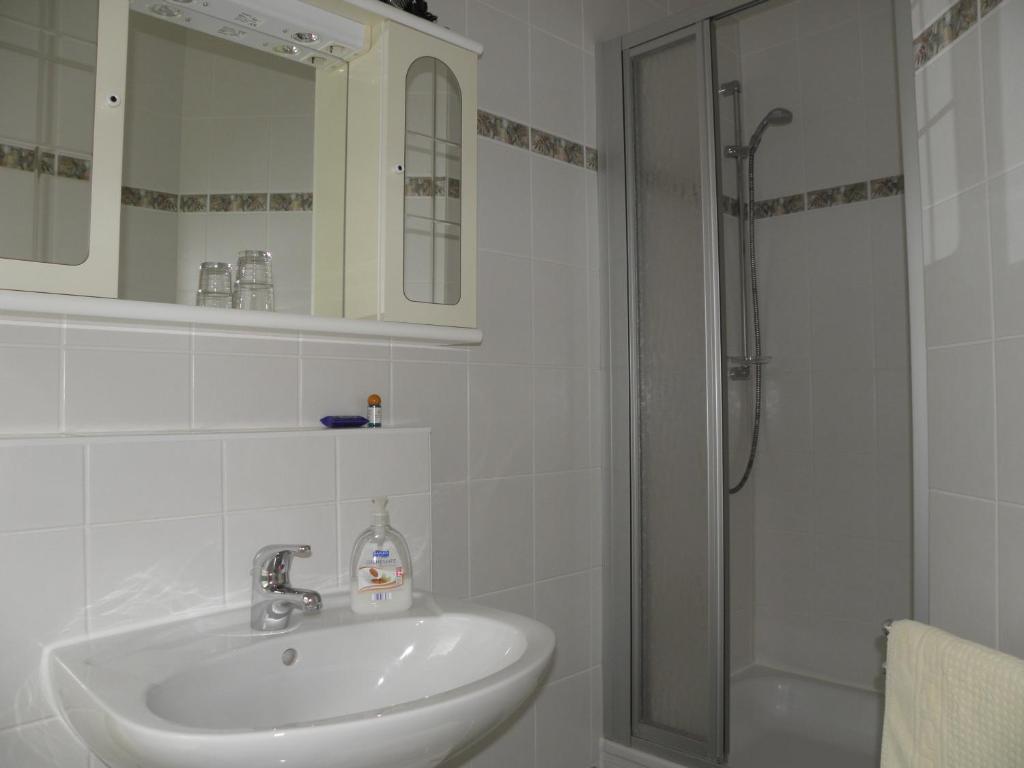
[{"x": 432, "y": 271}]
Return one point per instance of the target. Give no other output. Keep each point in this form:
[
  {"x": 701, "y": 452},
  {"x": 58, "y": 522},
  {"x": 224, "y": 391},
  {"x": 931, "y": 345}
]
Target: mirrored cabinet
[
  {"x": 147, "y": 138},
  {"x": 419, "y": 264}
]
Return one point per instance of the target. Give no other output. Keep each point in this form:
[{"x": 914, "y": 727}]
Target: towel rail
[{"x": 886, "y": 629}]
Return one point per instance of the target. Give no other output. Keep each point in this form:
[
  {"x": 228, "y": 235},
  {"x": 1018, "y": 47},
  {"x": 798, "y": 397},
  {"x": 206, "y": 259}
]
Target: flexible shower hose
[{"x": 755, "y": 432}]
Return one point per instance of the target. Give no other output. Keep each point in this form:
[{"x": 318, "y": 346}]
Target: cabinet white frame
[
  {"x": 97, "y": 275},
  {"x": 375, "y": 216}
]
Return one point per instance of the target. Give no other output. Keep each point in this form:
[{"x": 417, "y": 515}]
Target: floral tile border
[
  {"x": 430, "y": 186},
  {"x": 192, "y": 203},
  {"x": 291, "y": 201},
  {"x": 17, "y": 158},
  {"x": 20, "y": 158},
  {"x": 778, "y": 206},
  {"x": 149, "y": 198},
  {"x": 74, "y": 167},
  {"x": 945, "y": 30},
  {"x": 502, "y": 129},
  {"x": 238, "y": 202},
  {"x": 885, "y": 186},
  {"x": 516, "y": 134},
  {"x": 233, "y": 202},
  {"x": 555, "y": 147},
  {"x": 831, "y": 196}
]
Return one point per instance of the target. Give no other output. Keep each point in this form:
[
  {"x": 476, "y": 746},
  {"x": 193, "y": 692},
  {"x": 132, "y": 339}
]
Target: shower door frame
[
  {"x": 618, "y": 251},
  {"x": 622, "y": 640}
]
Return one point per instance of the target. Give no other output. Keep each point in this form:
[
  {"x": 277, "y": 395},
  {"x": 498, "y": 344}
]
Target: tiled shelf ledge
[{"x": 59, "y": 305}]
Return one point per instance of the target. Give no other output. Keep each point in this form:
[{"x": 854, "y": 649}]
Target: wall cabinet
[
  {"x": 338, "y": 134},
  {"x": 410, "y": 229}
]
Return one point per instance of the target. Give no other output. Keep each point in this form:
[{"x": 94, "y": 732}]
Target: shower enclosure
[{"x": 760, "y": 513}]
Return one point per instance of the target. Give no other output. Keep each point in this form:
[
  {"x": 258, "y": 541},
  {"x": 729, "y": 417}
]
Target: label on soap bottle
[{"x": 383, "y": 574}]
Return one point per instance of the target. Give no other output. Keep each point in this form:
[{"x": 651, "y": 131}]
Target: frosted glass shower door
[{"x": 676, "y": 473}]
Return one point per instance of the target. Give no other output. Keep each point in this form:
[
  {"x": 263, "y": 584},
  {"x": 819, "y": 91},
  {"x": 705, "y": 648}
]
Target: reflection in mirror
[
  {"x": 47, "y": 88},
  {"x": 218, "y": 159},
  {"x": 433, "y": 184}
]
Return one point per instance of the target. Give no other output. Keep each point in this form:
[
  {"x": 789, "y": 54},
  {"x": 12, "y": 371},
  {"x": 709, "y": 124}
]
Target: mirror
[
  {"x": 433, "y": 184},
  {"x": 47, "y": 87},
  {"x": 218, "y": 159}
]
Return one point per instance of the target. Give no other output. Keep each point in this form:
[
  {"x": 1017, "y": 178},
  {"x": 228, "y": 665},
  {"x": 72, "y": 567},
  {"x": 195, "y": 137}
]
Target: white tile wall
[
  {"x": 970, "y": 170},
  {"x": 831, "y": 490},
  {"x": 472, "y": 508}
]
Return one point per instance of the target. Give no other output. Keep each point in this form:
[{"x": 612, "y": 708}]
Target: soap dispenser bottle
[{"x": 381, "y": 567}]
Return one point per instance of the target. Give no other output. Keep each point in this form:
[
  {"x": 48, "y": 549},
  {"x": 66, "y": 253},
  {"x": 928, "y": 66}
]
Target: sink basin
[{"x": 337, "y": 691}]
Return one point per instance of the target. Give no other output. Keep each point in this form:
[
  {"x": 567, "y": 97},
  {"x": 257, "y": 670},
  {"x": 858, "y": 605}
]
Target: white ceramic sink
[{"x": 404, "y": 691}]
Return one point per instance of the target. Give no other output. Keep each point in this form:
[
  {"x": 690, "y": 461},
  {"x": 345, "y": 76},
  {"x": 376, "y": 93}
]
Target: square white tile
[
  {"x": 949, "y": 118},
  {"x": 563, "y": 723},
  {"x": 561, "y": 18},
  {"x": 434, "y": 395},
  {"x": 559, "y": 314},
  {"x": 957, "y": 273},
  {"x": 148, "y": 570},
  {"x": 504, "y": 76},
  {"x": 505, "y": 309},
  {"x": 1001, "y": 62},
  {"x": 383, "y": 462},
  {"x": 566, "y": 510},
  {"x": 45, "y": 744},
  {"x": 41, "y": 486},
  {"x": 30, "y": 389},
  {"x": 449, "y": 516},
  {"x": 246, "y": 391},
  {"x": 140, "y": 480},
  {"x": 962, "y": 566},
  {"x": 556, "y": 86},
  {"x": 563, "y": 604},
  {"x": 264, "y": 471},
  {"x": 504, "y": 194},
  {"x": 500, "y": 534},
  {"x": 1006, "y": 237},
  {"x": 961, "y": 413},
  {"x": 558, "y": 199},
  {"x": 112, "y": 390},
  {"x": 500, "y": 420},
  {"x": 52, "y": 609},
  {"x": 561, "y": 419}
]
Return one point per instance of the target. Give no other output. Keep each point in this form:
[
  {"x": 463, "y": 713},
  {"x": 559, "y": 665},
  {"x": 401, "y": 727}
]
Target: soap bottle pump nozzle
[{"x": 380, "y": 511}]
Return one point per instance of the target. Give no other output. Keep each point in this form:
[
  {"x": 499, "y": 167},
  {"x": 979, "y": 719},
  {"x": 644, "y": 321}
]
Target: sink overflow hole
[{"x": 289, "y": 657}]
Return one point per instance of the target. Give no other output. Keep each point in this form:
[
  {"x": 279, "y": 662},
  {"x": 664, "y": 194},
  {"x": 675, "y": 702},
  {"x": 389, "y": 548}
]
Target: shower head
[{"x": 777, "y": 116}]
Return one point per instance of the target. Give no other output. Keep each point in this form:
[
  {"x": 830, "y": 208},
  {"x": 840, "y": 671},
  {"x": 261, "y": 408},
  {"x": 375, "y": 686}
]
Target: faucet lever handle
[{"x": 275, "y": 561}]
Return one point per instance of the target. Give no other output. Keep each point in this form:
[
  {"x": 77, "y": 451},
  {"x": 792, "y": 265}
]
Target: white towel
[{"x": 950, "y": 703}]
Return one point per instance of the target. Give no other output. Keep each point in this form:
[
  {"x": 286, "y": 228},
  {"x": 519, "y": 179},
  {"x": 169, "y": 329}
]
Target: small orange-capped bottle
[{"x": 373, "y": 411}]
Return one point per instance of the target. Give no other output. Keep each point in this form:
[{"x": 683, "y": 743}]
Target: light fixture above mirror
[{"x": 287, "y": 28}]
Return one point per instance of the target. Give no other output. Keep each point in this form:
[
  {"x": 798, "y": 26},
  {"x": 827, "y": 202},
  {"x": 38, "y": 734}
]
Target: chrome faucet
[{"x": 273, "y": 596}]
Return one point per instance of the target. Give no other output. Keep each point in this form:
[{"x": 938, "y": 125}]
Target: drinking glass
[
  {"x": 213, "y": 299},
  {"x": 254, "y": 282},
  {"x": 254, "y": 268},
  {"x": 214, "y": 285},
  {"x": 253, "y": 296}
]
